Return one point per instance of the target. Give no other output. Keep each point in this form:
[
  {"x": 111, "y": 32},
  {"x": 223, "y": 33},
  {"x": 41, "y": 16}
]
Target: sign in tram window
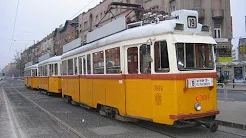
[
  {"x": 98, "y": 63},
  {"x": 145, "y": 59},
  {"x": 113, "y": 61},
  {"x": 132, "y": 60},
  {"x": 161, "y": 57}
]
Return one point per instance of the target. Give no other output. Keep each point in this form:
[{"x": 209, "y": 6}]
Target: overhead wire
[
  {"x": 82, "y": 9},
  {"x": 14, "y": 23}
]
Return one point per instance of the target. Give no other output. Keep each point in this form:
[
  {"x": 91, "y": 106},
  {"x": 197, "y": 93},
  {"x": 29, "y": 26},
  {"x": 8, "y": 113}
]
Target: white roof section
[
  {"x": 35, "y": 66},
  {"x": 194, "y": 39},
  {"x": 54, "y": 59}
]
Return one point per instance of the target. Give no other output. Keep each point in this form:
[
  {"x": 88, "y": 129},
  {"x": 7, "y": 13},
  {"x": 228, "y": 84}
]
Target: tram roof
[
  {"x": 35, "y": 66},
  {"x": 149, "y": 30},
  {"x": 51, "y": 60}
]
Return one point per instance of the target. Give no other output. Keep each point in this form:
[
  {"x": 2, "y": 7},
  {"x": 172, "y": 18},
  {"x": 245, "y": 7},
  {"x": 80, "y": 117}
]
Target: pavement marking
[
  {"x": 244, "y": 93},
  {"x": 49, "y": 113}
]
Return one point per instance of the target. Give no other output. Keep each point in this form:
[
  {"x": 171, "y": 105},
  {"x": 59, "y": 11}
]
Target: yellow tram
[
  {"x": 49, "y": 75},
  {"x": 162, "y": 72},
  {"x": 30, "y": 76}
]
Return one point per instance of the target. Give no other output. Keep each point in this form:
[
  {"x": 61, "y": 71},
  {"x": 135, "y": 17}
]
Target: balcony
[{"x": 218, "y": 14}]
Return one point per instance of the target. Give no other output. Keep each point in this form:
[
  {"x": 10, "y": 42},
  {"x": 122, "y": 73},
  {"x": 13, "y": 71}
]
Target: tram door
[
  {"x": 138, "y": 83},
  {"x": 85, "y": 84}
]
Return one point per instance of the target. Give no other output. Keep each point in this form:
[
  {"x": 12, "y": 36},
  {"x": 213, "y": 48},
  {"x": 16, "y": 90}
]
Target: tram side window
[
  {"x": 192, "y": 56},
  {"x": 98, "y": 63},
  {"x": 84, "y": 65},
  {"x": 56, "y": 69},
  {"x": 145, "y": 59},
  {"x": 113, "y": 61},
  {"x": 50, "y": 69},
  {"x": 70, "y": 66},
  {"x": 45, "y": 70},
  {"x": 132, "y": 60},
  {"x": 75, "y": 66},
  {"x": 161, "y": 57},
  {"x": 89, "y": 64},
  {"x": 80, "y": 65},
  {"x": 64, "y": 67}
]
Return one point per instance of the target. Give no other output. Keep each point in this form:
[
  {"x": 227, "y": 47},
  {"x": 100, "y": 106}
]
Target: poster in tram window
[{"x": 238, "y": 74}]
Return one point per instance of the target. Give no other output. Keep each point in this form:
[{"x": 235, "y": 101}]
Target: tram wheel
[{"x": 213, "y": 126}]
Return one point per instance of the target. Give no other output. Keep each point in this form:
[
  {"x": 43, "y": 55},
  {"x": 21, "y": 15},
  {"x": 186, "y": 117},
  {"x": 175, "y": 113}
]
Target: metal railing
[{"x": 230, "y": 86}]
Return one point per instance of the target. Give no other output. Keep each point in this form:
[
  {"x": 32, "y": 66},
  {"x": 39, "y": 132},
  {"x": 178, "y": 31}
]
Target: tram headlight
[{"x": 198, "y": 106}]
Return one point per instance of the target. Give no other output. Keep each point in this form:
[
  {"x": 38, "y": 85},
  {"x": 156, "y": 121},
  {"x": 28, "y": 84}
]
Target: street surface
[{"x": 26, "y": 113}]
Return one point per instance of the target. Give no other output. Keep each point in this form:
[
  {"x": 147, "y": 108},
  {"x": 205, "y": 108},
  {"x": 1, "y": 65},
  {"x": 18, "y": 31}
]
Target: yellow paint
[
  {"x": 149, "y": 99},
  {"x": 55, "y": 84},
  {"x": 34, "y": 82},
  {"x": 70, "y": 87},
  {"x": 139, "y": 98},
  {"x": 25, "y": 81},
  {"x": 43, "y": 83}
]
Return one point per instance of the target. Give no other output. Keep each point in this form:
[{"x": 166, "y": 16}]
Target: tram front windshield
[{"x": 192, "y": 56}]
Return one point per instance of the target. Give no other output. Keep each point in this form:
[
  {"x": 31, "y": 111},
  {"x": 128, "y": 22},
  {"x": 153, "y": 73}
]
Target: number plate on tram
[{"x": 199, "y": 82}]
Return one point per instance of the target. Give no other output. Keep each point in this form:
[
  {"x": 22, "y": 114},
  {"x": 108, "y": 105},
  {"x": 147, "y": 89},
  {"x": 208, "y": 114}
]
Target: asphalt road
[
  {"x": 232, "y": 95},
  {"x": 27, "y": 113}
]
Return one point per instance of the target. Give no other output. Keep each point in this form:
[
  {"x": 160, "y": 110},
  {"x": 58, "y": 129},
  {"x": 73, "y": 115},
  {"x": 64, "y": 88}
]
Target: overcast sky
[{"x": 38, "y": 18}]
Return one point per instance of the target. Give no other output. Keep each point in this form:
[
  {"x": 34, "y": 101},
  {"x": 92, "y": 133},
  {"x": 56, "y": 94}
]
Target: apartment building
[
  {"x": 215, "y": 13},
  {"x": 64, "y": 35}
]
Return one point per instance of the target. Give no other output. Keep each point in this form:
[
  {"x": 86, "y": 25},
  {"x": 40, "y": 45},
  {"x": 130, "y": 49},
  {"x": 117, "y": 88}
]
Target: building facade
[
  {"x": 215, "y": 13},
  {"x": 64, "y": 35}
]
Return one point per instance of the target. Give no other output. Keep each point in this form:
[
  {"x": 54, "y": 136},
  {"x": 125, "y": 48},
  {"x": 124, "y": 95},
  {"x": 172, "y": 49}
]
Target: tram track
[{"x": 69, "y": 128}]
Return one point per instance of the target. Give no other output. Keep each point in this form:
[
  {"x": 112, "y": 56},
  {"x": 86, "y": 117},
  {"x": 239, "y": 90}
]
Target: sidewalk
[{"x": 232, "y": 114}]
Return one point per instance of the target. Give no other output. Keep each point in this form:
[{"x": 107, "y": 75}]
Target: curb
[{"x": 230, "y": 124}]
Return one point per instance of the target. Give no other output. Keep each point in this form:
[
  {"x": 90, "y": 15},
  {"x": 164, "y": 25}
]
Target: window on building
[
  {"x": 161, "y": 57},
  {"x": 132, "y": 60},
  {"x": 113, "y": 61},
  {"x": 217, "y": 30},
  {"x": 70, "y": 66},
  {"x": 98, "y": 63},
  {"x": 145, "y": 59},
  {"x": 89, "y": 64}
]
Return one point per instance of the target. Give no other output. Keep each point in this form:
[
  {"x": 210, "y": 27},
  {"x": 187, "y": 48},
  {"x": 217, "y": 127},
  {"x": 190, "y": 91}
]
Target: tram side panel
[
  {"x": 55, "y": 84},
  {"x": 139, "y": 97},
  {"x": 26, "y": 81},
  {"x": 86, "y": 91},
  {"x": 164, "y": 100},
  {"x": 99, "y": 92},
  {"x": 115, "y": 94},
  {"x": 43, "y": 83},
  {"x": 70, "y": 87},
  {"x": 34, "y": 82},
  {"x": 29, "y": 82}
]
